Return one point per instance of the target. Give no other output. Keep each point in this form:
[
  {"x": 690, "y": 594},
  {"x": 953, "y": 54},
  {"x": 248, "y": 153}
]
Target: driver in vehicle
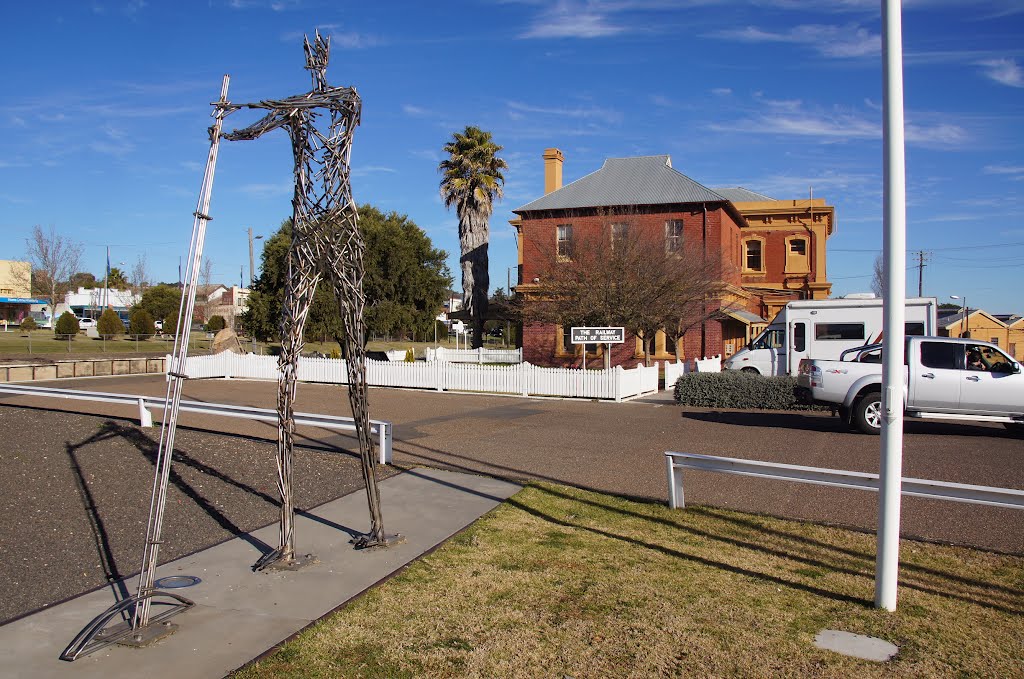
[{"x": 974, "y": 361}]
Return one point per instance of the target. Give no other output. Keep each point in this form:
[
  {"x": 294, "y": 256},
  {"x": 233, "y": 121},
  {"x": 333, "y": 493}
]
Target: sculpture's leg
[
  {"x": 298, "y": 297},
  {"x": 346, "y": 257}
]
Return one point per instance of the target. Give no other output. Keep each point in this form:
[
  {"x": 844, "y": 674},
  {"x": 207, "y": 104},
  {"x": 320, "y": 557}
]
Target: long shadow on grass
[
  {"x": 928, "y": 588},
  {"x": 443, "y": 458}
]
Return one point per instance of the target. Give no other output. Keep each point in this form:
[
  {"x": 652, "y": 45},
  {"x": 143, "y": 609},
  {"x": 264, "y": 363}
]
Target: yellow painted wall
[{"x": 15, "y": 279}]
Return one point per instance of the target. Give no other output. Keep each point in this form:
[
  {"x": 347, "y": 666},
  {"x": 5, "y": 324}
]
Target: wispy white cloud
[
  {"x": 604, "y": 115},
  {"x": 1015, "y": 172},
  {"x": 116, "y": 142},
  {"x": 788, "y": 118},
  {"x": 571, "y": 19},
  {"x": 721, "y": 91},
  {"x": 364, "y": 170},
  {"x": 847, "y": 41},
  {"x": 352, "y": 40},
  {"x": 1003, "y": 71},
  {"x": 268, "y": 190}
]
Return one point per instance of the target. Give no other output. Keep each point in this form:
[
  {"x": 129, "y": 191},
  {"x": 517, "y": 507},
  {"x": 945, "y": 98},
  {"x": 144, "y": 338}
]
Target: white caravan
[{"x": 824, "y": 329}]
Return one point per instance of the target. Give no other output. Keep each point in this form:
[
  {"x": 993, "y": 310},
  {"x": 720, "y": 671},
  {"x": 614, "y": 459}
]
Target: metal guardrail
[
  {"x": 936, "y": 490},
  {"x": 382, "y": 429}
]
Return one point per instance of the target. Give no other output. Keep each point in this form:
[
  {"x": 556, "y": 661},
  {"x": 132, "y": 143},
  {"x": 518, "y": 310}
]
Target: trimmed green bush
[
  {"x": 140, "y": 323},
  {"x": 170, "y": 324},
  {"x": 67, "y": 324},
  {"x": 737, "y": 389},
  {"x": 109, "y": 324},
  {"x": 215, "y": 324},
  {"x": 28, "y": 323},
  {"x": 410, "y": 355}
]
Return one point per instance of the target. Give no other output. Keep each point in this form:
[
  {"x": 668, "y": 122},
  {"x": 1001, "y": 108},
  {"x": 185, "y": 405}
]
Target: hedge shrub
[
  {"x": 109, "y": 324},
  {"x": 28, "y": 323},
  {"x": 140, "y": 323},
  {"x": 170, "y": 324},
  {"x": 215, "y": 324},
  {"x": 67, "y": 324},
  {"x": 737, "y": 389}
]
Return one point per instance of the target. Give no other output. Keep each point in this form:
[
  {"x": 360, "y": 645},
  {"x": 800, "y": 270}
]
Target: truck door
[
  {"x": 936, "y": 380},
  {"x": 990, "y": 385},
  {"x": 797, "y": 346}
]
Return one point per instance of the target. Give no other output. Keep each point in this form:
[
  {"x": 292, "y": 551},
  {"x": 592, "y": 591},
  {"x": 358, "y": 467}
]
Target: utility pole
[{"x": 922, "y": 257}]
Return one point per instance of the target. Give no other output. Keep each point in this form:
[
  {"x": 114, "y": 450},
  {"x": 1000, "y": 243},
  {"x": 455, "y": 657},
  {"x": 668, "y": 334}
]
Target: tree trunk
[{"x": 473, "y": 237}]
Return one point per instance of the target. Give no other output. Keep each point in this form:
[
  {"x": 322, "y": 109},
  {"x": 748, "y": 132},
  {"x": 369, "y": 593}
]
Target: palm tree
[{"x": 472, "y": 180}]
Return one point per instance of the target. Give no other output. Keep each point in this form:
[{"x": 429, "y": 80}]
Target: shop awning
[{"x": 21, "y": 300}]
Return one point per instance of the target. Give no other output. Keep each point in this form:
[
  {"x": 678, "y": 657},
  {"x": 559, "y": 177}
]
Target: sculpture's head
[{"x": 317, "y": 56}]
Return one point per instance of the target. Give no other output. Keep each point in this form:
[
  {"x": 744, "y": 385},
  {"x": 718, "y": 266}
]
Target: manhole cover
[{"x": 176, "y": 581}]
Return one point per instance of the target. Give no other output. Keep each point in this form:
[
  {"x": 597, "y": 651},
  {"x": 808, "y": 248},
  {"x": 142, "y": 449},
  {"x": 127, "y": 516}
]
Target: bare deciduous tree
[
  {"x": 635, "y": 281},
  {"x": 54, "y": 260},
  {"x": 139, "y": 276},
  {"x": 202, "y": 307},
  {"x": 878, "y": 276}
]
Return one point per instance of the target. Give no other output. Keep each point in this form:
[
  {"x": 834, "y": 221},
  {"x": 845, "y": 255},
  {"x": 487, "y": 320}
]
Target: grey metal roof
[
  {"x": 738, "y": 194},
  {"x": 646, "y": 180},
  {"x": 748, "y": 317}
]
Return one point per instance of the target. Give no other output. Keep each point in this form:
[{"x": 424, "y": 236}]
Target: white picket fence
[
  {"x": 478, "y": 356},
  {"x": 523, "y": 379}
]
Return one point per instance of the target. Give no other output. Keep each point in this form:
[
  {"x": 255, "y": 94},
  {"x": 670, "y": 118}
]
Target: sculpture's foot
[
  {"x": 369, "y": 541},
  {"x": 278, "y": 560}
]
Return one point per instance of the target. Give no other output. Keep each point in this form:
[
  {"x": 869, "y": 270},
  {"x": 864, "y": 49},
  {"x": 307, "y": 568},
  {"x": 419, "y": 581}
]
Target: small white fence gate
[{"x": 522, "y": 378}]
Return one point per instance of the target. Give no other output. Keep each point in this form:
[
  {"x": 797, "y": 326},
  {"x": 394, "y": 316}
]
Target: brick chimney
[{"x": 552, "y": 170}]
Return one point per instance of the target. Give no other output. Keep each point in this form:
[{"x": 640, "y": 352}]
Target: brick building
[{"x": 769, "y": 251}]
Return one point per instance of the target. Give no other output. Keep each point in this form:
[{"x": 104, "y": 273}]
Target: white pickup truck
[{"x": 945, "y": 378}]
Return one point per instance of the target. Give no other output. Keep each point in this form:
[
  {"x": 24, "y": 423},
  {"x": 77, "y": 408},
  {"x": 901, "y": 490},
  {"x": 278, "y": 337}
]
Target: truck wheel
[
  {"x": 750, "y": 371},
  {"x": 867, "y": 413}
]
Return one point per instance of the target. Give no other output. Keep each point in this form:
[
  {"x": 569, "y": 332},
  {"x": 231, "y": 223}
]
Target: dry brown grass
[{"x": 563, "y": 582}]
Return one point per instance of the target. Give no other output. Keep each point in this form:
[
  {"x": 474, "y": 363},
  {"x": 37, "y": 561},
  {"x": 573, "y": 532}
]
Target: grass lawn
[{"x": 562, "y": 582}]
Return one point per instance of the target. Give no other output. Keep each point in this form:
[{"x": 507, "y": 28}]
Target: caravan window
[
  {"x": 913, "y": 329},
  {"x": 839, "y": 331},
  {"x": 799, "y": 337}
]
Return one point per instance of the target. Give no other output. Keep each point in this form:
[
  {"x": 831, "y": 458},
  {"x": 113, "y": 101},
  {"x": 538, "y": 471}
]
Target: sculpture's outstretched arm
[{"x": 274, "y": 119}]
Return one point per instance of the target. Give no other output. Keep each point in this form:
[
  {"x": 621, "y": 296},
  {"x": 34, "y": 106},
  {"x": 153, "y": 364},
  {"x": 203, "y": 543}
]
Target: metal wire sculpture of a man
[{"x": 326, "y": 243}]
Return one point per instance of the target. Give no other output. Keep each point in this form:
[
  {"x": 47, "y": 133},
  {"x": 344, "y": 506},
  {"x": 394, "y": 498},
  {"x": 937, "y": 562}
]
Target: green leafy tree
[
  {"x": 109, "y": 324},
  {"x": 82, "y": 279},
  {"x": 215, "y": 324},
  {"x": 161, "y": 301},
  {"x": 472, "y": 181},
  {"x": 140, "y": 323},
  {"x": 405, "y": 282},
  {"x": 67, "y": 324},
  {"x": 171, "y": 324}
]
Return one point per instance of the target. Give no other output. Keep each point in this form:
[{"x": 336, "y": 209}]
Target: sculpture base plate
[
  {"x": 123, "y": 634},
  {"x": 363, "y": 542},
  {"x": 297, "y": 562}
]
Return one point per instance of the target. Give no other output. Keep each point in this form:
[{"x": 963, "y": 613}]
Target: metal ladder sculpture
[
  {"x": 137, "y": 626},
  {"x": 325, "y": 241}
]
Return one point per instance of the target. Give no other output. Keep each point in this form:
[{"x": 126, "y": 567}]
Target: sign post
[{"x": 588, "y": 335}]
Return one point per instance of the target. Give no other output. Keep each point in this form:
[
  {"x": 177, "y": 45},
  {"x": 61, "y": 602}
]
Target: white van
[{"x": 825, "y": 328}]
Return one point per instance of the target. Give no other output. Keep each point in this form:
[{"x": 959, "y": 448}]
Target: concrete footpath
[{"x": 240, "y": 614}]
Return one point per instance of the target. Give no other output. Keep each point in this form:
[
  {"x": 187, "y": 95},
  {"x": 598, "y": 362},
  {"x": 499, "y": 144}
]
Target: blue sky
[{"x": 105, "y": 107}]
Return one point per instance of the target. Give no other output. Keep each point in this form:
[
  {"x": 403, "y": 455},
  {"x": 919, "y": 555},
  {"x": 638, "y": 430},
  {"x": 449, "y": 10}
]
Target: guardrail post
[
  {"x": 145, "y": 417},
  {"x": 675, "y": 485},
  {"x": 385, "y": 442}
]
